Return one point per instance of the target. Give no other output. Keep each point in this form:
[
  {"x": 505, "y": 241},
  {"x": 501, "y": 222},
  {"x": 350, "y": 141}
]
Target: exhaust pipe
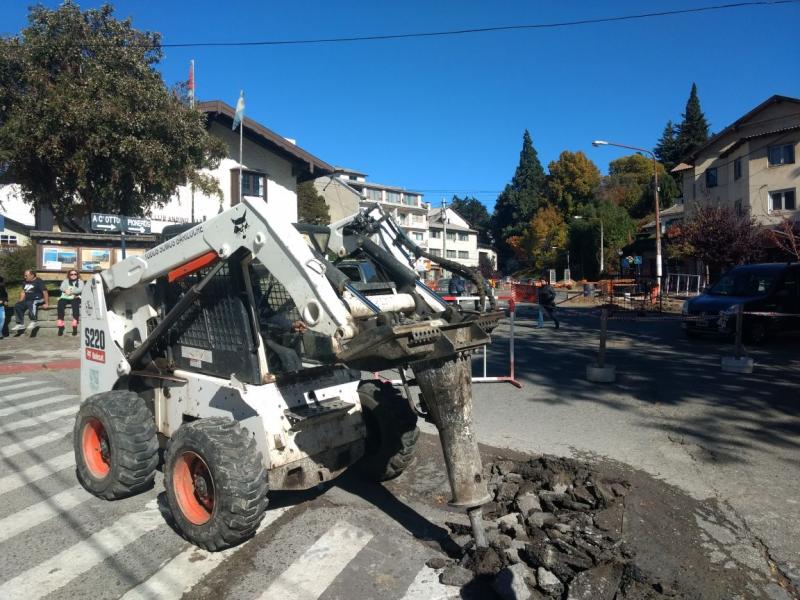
[{"x": 446, "y": 386}]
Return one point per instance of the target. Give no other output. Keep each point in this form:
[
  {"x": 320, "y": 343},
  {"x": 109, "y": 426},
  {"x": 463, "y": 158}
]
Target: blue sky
[{"x": 446, "y": 115}]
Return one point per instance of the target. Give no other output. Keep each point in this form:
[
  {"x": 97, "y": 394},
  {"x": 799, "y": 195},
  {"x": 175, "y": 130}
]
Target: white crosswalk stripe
[
  {"x": 180, "y": 574},
  {"x": 315, "y": 570},
  {"x": 5, "y": 380},
  {"x": 15, "y": 386},
  {"x": 9, "y": 450},
  {"x": 426, "y": 586},
  {"x": 40, "y": 512},
  {"x": 36, "y": 472},
  {"x": 56, "y": 572},
  {"x": 30, "y": 393},
  {"x": 40, "y": 420},
  {"x": 4, "y": 412}
]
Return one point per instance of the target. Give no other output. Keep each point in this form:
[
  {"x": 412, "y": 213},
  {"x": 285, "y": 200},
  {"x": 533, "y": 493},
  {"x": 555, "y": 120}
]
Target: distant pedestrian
[
  {"x": 32, "y": 297},
  {"x": 71, "y": 289},
  {"x": 457, "y": 286},
  {"x": 3, "y": 303},
  {"x": 547, "y": 302}
]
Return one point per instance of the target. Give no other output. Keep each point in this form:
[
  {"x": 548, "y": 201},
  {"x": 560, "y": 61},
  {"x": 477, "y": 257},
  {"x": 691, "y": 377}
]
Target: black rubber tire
[
  {"x": 131, "y": 446},
  {"x": 239, "y": 481},
  {"x": 392, "y": 431},
  {"x": 692, "y": 334}
]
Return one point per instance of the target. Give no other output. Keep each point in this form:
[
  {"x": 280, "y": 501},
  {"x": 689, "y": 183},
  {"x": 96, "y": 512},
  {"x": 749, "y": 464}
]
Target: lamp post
[
  {"x": 602, "y": 252},
  {"x": 598, "y": 143}
]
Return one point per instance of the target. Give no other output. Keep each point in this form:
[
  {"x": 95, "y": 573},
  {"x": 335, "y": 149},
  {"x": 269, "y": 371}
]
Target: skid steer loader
[{"x": 237, "y": 348}]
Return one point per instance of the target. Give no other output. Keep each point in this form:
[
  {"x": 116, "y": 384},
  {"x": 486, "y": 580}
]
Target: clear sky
[{"x": 445, "y": 115}]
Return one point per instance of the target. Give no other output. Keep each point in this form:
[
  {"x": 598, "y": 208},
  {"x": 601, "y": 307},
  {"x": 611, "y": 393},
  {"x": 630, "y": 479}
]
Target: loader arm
[{"x": 270, "y": 237}]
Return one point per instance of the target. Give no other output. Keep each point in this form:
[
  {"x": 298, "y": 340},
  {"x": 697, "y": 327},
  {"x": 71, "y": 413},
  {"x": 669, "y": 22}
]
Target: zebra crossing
[{"x": 57, "y": 540}]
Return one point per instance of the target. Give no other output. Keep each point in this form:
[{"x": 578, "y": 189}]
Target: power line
[
  {"x": 553, "y": 25},
  {"x": 473, "y": 30}
]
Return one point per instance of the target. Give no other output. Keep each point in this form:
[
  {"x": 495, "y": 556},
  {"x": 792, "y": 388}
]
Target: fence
[{"x": 682, "y": 284}]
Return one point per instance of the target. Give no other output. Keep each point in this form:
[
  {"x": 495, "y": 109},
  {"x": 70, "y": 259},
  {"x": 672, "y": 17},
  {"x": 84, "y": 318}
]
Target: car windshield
[{"x": 744, "y": 283}]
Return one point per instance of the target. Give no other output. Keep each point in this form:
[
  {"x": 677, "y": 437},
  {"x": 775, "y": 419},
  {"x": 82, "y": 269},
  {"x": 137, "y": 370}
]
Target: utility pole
[{"x": 444, "y": 228}]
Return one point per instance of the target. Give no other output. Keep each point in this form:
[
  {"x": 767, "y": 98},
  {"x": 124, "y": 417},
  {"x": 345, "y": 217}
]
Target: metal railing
[{"x": 682, "y": 284}]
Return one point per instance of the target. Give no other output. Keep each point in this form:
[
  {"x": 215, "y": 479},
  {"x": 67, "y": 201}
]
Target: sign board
[
  {"x": 119, "y": 223},
  {"x": 637, "y": 260},
  {"x": 2, "y": 223}
]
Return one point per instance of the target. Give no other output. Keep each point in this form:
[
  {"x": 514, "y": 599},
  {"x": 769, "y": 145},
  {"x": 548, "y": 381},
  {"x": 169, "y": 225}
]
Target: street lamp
[
  {"x": 602, "y": 261},
  {"x": 598, "y": 143}
]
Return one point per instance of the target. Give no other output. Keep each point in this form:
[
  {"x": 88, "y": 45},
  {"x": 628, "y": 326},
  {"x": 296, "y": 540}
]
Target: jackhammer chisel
[{"x": 446, "y": 385}]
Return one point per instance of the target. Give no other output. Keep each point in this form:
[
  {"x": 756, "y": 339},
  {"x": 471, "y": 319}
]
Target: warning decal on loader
[{"x": 96, "y": 355}]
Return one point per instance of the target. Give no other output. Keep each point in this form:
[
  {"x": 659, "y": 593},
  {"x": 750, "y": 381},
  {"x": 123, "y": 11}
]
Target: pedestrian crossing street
[{"x": 58, "y": 541}]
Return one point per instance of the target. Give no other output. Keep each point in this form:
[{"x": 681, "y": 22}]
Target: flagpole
[
  {"x": 191, "y": 104},
  {"x": 241, "y": 137}
]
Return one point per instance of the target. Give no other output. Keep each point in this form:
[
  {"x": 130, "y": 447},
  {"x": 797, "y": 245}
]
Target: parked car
[{"x": 766, "y": 288}]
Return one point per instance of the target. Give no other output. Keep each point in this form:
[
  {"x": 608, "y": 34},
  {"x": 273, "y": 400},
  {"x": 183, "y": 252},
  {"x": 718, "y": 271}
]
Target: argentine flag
[{"x": 237, "y": 118}]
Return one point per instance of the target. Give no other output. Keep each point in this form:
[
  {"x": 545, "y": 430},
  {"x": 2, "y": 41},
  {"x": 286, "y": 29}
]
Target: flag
[
  {"x": 239, "y": 116},
  {"x": 190, "y": 84}
]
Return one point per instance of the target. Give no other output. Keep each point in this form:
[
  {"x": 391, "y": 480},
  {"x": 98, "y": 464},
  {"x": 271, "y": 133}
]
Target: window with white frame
[
  {"x": 435, "y": 252},
  {"x": 737, "y": 169},
  {"x": 410, "y": 199},
  {"x": 393, "y": 197},
  {"x": 374, "y": 195},
  {"x": 253, "y": 184},
  {"x": 781, "y": 155},
  {"x": 463, "y": 254},
  {"x": 8, "y": 240},
  {"x": 451, "y": 254},
  {"x": 418, "y": 237},
  {"x": 451, "y": 236},
  {"x": 437, "y": 235},
  {"x": 782, "y": 200},
  {"x": 463, "y": 237}
]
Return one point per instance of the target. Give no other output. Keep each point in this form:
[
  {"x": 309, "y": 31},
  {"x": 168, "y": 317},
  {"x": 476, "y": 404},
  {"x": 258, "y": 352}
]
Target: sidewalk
[{"x": 19, "y": 354}]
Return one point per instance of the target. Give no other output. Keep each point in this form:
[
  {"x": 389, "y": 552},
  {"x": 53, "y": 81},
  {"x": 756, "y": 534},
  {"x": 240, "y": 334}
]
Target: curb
[{"x": 55, "y": 365}]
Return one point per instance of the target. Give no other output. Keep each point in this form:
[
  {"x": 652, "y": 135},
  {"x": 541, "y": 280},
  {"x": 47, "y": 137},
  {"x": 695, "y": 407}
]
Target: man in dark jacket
[
  {"x": 547, "y": 300},
  {"x": 32, "y": 297},
  {"x": 457, "y": 286}
]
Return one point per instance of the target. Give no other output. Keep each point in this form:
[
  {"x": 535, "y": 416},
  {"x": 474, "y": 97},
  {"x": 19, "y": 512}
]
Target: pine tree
[
  {"x": 519, "y": 201},
  {"x": 693, "y": 130},
  {"x": 666, "y": 149},
  {"x": 311, "y": 207}
]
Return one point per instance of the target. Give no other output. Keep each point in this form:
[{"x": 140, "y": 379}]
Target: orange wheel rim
[
  {"x": 96, "y": 448},
  {"x": 194, "y": 488}
]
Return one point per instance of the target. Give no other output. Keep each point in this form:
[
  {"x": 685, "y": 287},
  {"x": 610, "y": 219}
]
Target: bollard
[
  {"x": 738, "y": 363},
  {"x": 602, "y": 373}
]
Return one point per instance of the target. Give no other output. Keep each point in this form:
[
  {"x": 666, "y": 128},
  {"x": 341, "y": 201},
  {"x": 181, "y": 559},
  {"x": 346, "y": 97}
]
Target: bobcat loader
[{"x": 231, "y": 355}]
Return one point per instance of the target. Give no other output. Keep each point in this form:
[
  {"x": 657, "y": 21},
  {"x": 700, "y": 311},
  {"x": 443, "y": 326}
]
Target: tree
[
  {"x": 786, "y": 237},
  {"x": 720, "y": 238},
  {"x": 311, "y": 207},
  {"x": 693, "y": 130},
  {"x": 475, "y": 213},
  {"x": 630, "y": 185},
  {"x": 572, "y": 182},
  {"x": 15, "y": 261},
  {"x": 519, "y": 201},
  {"x": 584, "y": 237},
  {"x": 542, "y": 240},
  {"x": 86, "y": 121},
  {"x": 667, "y": 150}
]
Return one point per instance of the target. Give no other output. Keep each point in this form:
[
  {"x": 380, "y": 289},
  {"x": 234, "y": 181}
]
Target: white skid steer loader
[{"x": 237, "y": 347}]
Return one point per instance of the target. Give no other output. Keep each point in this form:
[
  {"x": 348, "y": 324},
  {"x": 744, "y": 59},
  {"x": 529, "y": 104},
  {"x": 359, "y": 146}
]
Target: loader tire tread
[
  {"x": 131, "y": 434},
  {"x": 239, "y": 476},
  {"x": 392, "y": 431}
]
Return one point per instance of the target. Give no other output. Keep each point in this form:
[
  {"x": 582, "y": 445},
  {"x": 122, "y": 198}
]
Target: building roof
[
  {"x": 775, "y": 99},
  {"x": 347, "y": 171},
  {"x": 310, "y": 166},
  {"x": 435, "y": 222},
  {"x": 381, "y": 186},
  {"x": 673, "y": 212}
]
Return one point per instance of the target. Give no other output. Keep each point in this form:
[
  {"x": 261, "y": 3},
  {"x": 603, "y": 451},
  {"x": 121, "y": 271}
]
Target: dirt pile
[{"x": 555, "y": 530}]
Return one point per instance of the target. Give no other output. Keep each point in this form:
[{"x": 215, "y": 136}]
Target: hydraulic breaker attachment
[{"x": 446, "y": 385}]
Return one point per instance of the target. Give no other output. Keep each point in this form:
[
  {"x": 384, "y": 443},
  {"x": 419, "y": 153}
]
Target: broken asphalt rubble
[{"x": 554, "y": 531}]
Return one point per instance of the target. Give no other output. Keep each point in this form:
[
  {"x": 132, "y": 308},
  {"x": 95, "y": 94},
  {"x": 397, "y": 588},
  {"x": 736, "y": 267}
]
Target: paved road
[
  {"x": 729, "y": 443},
  {"x": 731, "y": 439}
]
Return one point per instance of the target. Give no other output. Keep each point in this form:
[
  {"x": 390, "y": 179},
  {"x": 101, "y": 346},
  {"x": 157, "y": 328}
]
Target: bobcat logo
[{"x": 240, "y": 225}]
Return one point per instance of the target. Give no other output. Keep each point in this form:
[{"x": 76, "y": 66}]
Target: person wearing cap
[{"x": 71, "y": 289}]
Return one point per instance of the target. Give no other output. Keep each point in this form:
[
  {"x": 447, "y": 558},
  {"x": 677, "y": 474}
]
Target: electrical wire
[{"x": 472, "y": 30}]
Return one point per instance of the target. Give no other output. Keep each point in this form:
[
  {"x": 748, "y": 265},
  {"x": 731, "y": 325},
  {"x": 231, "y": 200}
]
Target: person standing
[
  {"x": 547, "y": 302},
  {"x": 32, "y": 297},
  {"x": 71, "y": 289},
  {"x": 3, "y": 302}
]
